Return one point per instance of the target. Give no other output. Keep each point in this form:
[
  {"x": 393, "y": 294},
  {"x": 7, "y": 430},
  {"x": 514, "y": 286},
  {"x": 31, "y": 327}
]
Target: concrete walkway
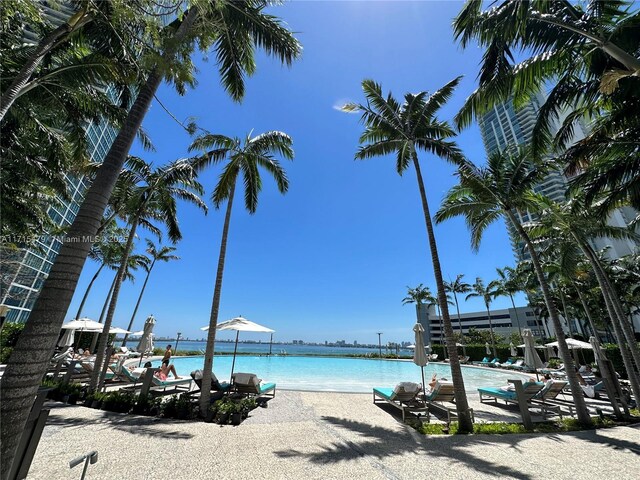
[{"x": 321, "y": 436}]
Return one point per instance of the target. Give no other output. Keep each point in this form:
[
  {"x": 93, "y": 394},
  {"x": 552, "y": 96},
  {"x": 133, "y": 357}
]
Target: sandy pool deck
[{"x": 311, "y": 435}]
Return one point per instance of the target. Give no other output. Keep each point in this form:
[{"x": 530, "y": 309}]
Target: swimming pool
[{"x": 339, "y": 374}]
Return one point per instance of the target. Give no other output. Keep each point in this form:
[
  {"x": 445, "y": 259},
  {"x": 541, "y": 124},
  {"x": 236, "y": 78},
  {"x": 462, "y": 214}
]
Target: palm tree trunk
[
  {"x": 86, "y": 293},
  {"x": 493, "y": 341},
  {"x": 627, "y": 359},
  {"x": 441, "y": 327},
  {"x": 31, "y": 354},
  {"x": 515, "y": 310},
  {"x": 47, "y": 43},
  {"x": 135, "y": 310},
  {"x": 96, "y": 376},
  {"x": 564, "y": 312},
  {"x": 465, "y": 424},
  {"x": 455, "y": 297},
  {"x": 94, "y": 337},
  {"x": 587, "y": 312},
  {"x": 578, "y": 397},
  {"x": 205, "y": 393}
]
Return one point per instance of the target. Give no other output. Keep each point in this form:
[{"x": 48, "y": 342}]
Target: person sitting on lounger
[
  {"x": 165, "y": 369},
  {"x": 167, "y": 354}
]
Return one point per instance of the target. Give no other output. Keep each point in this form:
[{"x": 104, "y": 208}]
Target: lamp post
[
  {"x": 380, "y": 344},
  {"x": 177, "y": 340},
  {"x": 270, "y": 344}
]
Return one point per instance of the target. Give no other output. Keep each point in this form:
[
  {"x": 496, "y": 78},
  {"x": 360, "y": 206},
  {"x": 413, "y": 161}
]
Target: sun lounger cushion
[
  {"x": 407, "y": 387},
  {"x": 247, "y": 379}
]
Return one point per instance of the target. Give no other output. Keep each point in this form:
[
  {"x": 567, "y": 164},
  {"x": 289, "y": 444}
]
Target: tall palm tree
[
  {"x": 487, "y": 293},
  {"x": 403, "y": 129},
  {"x": 243, "y": 159},
  {"x": 234, "y": 29},
  {"x": 163, "y": 254},
  {"x": 154, "y": 198},
  {"x": 571, "y": 222},
  {"x": 417, "y": 295},
  {"x": 457, "y": 286},
  {"x": 482, "y": 196},
  {"x": 507, "y": 285}
]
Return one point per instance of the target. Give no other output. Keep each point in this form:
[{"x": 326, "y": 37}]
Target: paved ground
[{"x": 321, "y": 436}]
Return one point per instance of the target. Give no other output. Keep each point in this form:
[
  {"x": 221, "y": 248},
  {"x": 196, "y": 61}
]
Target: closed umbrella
[
  {"x": 531, "y": 357},
  {"x": 464, "y": 348},
  {"x": 419, "y": 355},
  {"x": 240, "y": 324},
  {"x": 146, "y": 341},
  {"x": 487, "y": 348},
  {"x": 514, "y": 352},
  {"x": 67, "y": 338},
  {"x": 550, "y": 352}
]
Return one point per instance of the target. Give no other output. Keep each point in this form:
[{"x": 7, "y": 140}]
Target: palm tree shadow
[
  {"x": 133, "y": 424},
  {"x": 381, "y": 442}
]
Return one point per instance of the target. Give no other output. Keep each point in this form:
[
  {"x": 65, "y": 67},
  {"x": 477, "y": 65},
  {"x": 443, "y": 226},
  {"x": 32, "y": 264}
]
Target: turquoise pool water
[{"x": 339, "y": 374}]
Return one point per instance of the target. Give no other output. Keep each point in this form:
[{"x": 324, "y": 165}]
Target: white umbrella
[
  {"x": 550, "y": 352},
  {"x": 410, "y": 347},
  {"x": 84, "y": 324},
  {"x": 146, "y": 341},
  {"x": 572, "y": 343},
  {"x": 514, "y": 352},
  {"x": 67, "y": 338},
  {"x": 464, "y": 348},
  {"x": 240, "y": 324},
  {"x": 118, "y": 330},
  {"x": 487, "y": 348},
  {"x": 531, "y": 357},
  {"x": 419, "y": 355}
]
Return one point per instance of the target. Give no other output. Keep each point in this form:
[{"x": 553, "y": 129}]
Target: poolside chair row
[
  {"x": 537, "y": 395},
  {"x": 242, "y": 383}
]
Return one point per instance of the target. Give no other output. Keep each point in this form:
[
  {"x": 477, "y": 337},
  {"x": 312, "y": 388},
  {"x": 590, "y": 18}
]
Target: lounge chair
[
  {"x": 216, "y": 387},
  {"x": 464, "y": 359},
  {"x": 433, "y": 357},
  {"x": 441, "y": 394},
  {"x": 506, "y": 394},
  {"x": 507, "y": 364},
  {"x": 592, "y": 391},
  {"x": 543, "y": 399},
  {"x": 404, "y": 397},
  {"x": 128, "y": 353},
  {"x": 89, "y": 367},
  {"x": 250, "y": 384},
  {"x": 517, "y": 365}
]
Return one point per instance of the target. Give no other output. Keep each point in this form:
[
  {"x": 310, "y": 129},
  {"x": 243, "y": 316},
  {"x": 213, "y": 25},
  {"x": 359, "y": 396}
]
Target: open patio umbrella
[
  {"x": 146, "y": 341},
  {"x": 419, "y": 355},
  {"x": 572, "y": 343},
  {"x": 514, "y": 352},
  {"x": 240, "y": 324},
  {"x": 83, "y": 325},
  {"x": 118, "y": 330},
  {"x": 531, "y": 357}
]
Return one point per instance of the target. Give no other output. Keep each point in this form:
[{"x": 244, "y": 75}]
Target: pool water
[{"x": 339, "y": 374}]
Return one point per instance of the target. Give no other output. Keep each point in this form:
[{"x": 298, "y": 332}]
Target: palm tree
[
  {"x": 457, "y": 286},
  {"x": 417, "y": 295},
  {"x": 487, "y": 293},
  {"x": 482, "y": 196},
  {"x": 153, "y": 197},
  {"x": 164, "y": 254},
  {"x": 234, "y": 29},
  {"x": 507, "y": 285},
  {"x": 571, "y": 222},
  {"x": 403, "y": 129},
  {"x": 243, "y": 159}
]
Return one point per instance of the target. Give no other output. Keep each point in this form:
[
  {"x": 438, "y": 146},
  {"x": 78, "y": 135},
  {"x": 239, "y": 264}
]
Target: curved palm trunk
[
  {"x": 515, "y": 310},
  {"x": 627, "y": 360},
  {"x": 493, "y": 341},
  {"x": 205, "y": 393},
  {"x": 135, "y": 310},
  {"x": 587, "y": 312},
  {"x": 97, "y": 376},
  {"x": 30, "y": 357},
  {"x": 441, "y": 325},
  {"x": 47, "y": 43},
  {"x": 465, "y": 425},
  {"x": 455, "y": 297},
  {"x": 86, "y": 293},
  {"x": 564, "y": 312},
  {"x": 578, "y": 397},
  {"x": 94, "y": 336}
]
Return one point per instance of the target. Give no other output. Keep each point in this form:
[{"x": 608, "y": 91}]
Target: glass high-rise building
[
  {"x": 505, "y": 126},
  {"x": 23, "y": 271}
]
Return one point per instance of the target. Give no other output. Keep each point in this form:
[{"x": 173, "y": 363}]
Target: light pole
[
  {"x": 177, "y": 340},
  {"x": 270, "y": 344},
  {"x": 380, "y": 344}
]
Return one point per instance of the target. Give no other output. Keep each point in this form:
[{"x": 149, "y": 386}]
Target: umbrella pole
[
  {"x": 235, "y": 349},
  {"x": 424, "y": 388}
]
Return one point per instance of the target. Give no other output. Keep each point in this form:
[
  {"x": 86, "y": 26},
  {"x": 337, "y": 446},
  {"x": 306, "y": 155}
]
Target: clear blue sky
[{"x": 332, "y": 258}]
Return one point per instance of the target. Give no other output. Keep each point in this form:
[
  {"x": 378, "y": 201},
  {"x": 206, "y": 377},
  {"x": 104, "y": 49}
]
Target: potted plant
[
  {"x": 223, "y": 410},
  {"x": 247, "y": 405},
  {"x": 236, "y": 413}
]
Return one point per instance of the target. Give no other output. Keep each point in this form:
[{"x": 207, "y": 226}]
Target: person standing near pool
[{"x": 167, "y": 354}]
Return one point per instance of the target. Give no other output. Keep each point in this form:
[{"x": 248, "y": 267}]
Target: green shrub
[{"x": 8, "y": 338}]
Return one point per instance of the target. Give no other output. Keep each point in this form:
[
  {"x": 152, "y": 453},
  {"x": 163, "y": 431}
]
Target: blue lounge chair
[
  {"x": 250, "y": 384},
  {"x": 441, "y": 395},
  {"x": 404, "y": 397},
  {"x": 531, "y": 389}
]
